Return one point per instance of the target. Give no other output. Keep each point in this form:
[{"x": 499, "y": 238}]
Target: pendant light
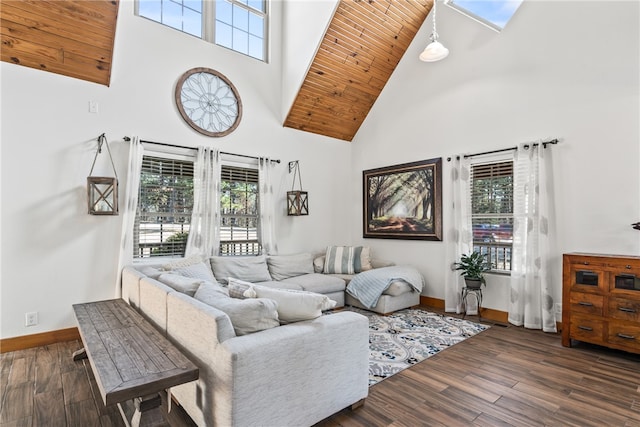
[{"x": 434, "y": 51}]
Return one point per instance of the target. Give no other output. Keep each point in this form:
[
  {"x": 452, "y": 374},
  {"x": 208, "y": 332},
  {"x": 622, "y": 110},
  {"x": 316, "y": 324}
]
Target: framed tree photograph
[{"x": 404, "y": 201}]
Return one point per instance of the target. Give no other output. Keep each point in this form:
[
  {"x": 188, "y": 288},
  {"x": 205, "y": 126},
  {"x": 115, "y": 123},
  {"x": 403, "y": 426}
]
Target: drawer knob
[
  {"x": 586, "y": 328},
  {"x": 628, "y": 267},
  {"x": 627, "y": 309},
  {"x": 586, "y": 263},
  {"x": 585, "y": 304},
  {"x": 626, "y": 337}
]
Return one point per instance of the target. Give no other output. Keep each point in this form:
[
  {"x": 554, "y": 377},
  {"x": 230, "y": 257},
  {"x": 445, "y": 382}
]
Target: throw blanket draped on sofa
[{"x": 369, "y": 285}]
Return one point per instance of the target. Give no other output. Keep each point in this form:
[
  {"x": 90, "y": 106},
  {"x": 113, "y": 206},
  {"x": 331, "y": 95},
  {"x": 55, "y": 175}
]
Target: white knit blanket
[{"x": 368, "y": 286}]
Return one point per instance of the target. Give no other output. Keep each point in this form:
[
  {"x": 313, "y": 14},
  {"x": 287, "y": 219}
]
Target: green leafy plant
[{"x": 473, "y": 266}]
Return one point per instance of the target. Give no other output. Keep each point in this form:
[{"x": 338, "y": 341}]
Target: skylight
[{"x": 493, "y": 13}]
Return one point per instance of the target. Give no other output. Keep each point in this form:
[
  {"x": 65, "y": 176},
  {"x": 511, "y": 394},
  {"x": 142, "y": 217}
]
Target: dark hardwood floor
[{"x": 503, "y": 376}]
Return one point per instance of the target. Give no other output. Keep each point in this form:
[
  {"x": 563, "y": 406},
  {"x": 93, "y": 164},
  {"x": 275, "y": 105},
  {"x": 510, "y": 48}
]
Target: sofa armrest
[{"x": 378, "y": 263}]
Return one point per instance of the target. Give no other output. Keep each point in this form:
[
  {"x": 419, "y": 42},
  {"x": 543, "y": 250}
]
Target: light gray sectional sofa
[{"x": 295, "y": 374}]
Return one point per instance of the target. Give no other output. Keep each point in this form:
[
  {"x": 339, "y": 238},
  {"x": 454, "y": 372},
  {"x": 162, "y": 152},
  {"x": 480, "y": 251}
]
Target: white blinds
[
  {"x": 165, "y": 203},
  {"x": 239, "y": 207}
]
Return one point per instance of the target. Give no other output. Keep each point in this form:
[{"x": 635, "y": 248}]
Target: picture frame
[{"x": 403, "y": 201}]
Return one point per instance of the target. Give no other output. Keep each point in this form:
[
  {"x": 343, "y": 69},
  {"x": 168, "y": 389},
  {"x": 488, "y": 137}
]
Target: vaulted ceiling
[
  {"x": 71, "y": 37},
  {"x": 361, "y": 47}
]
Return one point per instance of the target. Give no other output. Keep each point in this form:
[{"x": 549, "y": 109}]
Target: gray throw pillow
[
  {"x": 186, "y": 285},
  {"x": 246, "y": 315}
]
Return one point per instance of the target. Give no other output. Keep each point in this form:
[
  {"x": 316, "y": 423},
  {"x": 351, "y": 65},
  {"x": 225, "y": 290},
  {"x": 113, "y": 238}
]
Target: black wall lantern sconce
[
  {"x": 297, "y": 200},
  {"x": 102, "y": 192}
]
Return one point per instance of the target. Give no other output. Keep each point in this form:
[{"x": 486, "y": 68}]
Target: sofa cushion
[
  {"x": 285, "y": 266},
  {"x": 150, "y": 271},
  {"x": 197, "y": 271},
  {"x": 347, "y": 259},
  {"x": 183, "y": 262},
  {"x": 398, "y": 287},
  {"x": 315, "y": 282},
  {"x": 293, "y": 306},
  {"x": 248, "y": 268},
  {"x": 186, "y": 285},
  {"x": 247, "y": 315}
]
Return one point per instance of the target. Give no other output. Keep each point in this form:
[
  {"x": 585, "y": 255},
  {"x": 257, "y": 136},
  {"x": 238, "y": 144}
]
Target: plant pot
[{"x": 473, "y": 283}]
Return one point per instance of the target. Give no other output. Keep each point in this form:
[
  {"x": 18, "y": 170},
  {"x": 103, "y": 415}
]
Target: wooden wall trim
[
  {"x": 487, "y": 313},
  {"x": 37, "y": 340}
]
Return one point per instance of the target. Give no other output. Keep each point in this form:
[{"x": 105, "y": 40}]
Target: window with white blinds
[
  {"x": 492, "y": 212},
  {"x": 240, "y": 212},
  {"x": 165, "y": 202}
]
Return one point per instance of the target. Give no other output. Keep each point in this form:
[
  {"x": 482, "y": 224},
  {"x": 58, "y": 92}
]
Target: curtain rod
[
  {"x": 164, "y": 144},
  {"x": 535, "y": 144}
]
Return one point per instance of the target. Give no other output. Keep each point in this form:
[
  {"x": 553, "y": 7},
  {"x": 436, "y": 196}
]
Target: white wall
[
  {"x": 560, "y": 69},
  {"x": 545, "y": 76},
  {"x": 53, "y": 253}
]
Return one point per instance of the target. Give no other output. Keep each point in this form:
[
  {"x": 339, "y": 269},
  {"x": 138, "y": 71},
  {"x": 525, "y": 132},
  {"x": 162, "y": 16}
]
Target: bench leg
[
  {"x": 358, "y": 404},
  {"x": 143, "y": 411},
  {"x": 79, "y": 354}
]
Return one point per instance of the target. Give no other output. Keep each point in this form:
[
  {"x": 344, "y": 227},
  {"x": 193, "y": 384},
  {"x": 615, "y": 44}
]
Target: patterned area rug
[{"x": 406, "y": 337}]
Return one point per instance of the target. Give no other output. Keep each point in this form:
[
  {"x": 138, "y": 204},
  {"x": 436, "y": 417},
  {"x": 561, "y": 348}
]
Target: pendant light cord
[{"x": 434, "y": 34}]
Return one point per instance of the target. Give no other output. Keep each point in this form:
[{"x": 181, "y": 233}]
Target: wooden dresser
[{"x": 601, "y": 300}]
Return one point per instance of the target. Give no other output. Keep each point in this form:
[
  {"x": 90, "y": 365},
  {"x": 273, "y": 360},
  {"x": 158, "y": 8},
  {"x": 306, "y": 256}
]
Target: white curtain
[
  {"x": 458, "y": 238},
  {"x": 204, "y": 230},
  {"x": 267, "y": 206},
  {"x": 531, "y": 304},
  {"x": 129, "y": 208}
]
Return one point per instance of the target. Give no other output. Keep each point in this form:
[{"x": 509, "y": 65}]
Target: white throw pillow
[
  {"x": 293, "y": 305},
  {"x": 347, "y": 259},
  {"x": 246, "y": 315},
  {"x": 284, "y": 266},
  {"x": 186, "y": 285},
  {"x": 249, "y": 268}
]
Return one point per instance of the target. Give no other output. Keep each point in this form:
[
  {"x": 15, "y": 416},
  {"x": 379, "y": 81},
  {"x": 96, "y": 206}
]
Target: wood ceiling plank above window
[
  {"x": 69, "y": 37},
  {"x": 362, "y": 45}
]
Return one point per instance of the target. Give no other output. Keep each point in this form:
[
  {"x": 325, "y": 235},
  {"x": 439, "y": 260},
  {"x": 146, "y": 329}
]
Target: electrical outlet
[
  {"x": 93, "y": 106},
  {"x": 558, "y": 307},
  {"x": 31, "y": 319}
]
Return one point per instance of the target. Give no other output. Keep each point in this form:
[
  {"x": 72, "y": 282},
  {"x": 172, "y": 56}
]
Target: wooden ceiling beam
[
  {"x": 70, "y": 37},
  {"x": 362, "y": 45}
]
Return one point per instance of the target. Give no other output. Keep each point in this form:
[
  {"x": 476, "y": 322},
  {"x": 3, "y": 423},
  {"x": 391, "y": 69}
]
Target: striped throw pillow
[{"x": 343, "y": 260}]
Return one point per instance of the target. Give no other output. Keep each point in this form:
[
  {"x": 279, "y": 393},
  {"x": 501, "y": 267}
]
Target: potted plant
[{"x": 473, "y": 266}]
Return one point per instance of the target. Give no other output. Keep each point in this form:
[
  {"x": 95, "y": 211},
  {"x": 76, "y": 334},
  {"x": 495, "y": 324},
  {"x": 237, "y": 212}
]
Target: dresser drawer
[
  {"x": 624, "y": 334},
  {"x": 587, "y": 329},
  {"x": 586, "y": 303},
  {"x": 624, "y": 309}
]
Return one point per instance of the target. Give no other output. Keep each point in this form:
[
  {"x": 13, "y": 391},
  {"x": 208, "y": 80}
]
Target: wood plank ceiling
[
  {"x": 362, "y": 46},
  {"x": 69, "y": 37}
]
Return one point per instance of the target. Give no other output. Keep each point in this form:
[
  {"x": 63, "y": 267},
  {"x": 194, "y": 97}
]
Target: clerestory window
[
  {"x": 493, "y": 13},
  {"x": 492, "y": 212},
  {"x": 240, "y": 25}
]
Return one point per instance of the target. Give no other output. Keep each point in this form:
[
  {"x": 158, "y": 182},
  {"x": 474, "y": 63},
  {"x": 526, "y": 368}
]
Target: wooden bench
[{"x": 132, "y": 361}]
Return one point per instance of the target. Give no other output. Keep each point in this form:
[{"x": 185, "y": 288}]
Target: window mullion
[{"x": 208, "y": 20}]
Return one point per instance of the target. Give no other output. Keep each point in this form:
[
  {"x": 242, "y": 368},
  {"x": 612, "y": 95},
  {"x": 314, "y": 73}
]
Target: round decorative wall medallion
[{"x": 208, "y": 102}]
